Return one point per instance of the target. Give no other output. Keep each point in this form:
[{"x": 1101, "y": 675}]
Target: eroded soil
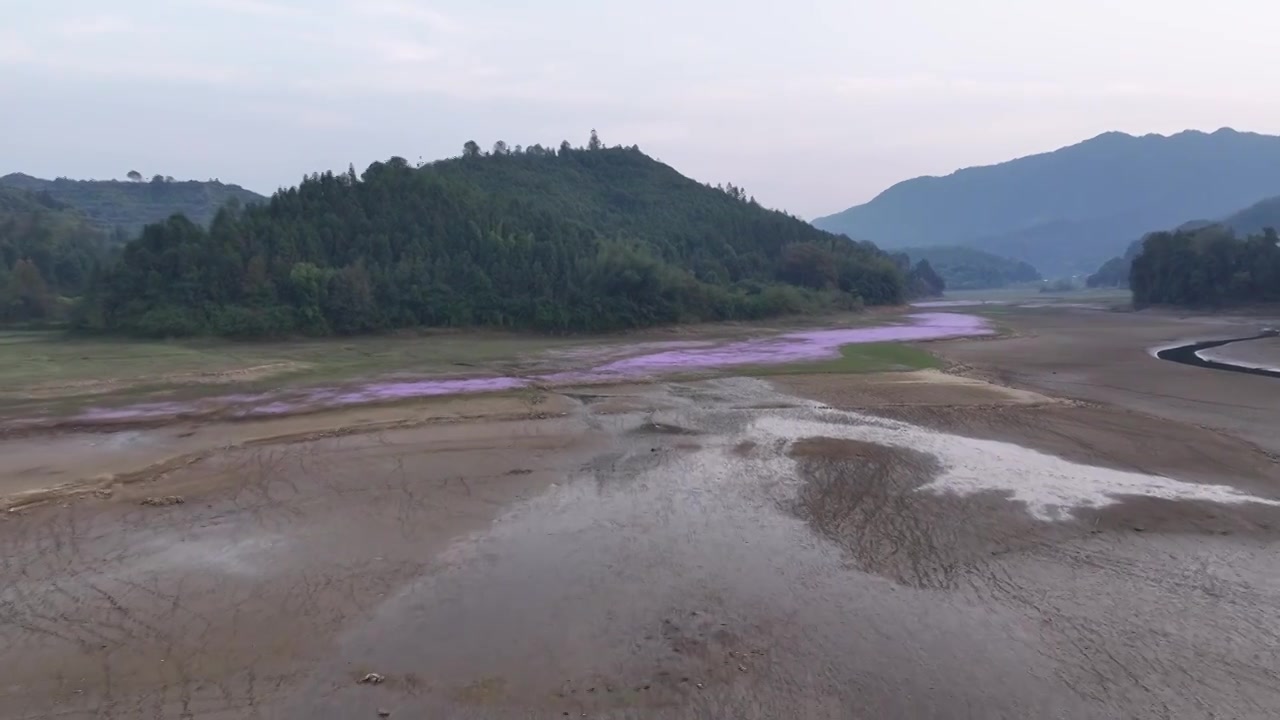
[{"x": 906, "y": 545}]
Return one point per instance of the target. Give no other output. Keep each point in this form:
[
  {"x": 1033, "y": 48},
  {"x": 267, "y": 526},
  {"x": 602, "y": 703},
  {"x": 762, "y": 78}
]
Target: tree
[
  {"x": 134, "y": 176},
  {"x": 471, "y": 149},
  {"x": 594, "y": 143},
  {"x": 923, "y": 281},
  {"x": 808, "y": 265},
  {"x": 500, "y": 148},
  {"x": 29, "y": 291},
  {"x": 1206, "y": 267},
  {"x": 157, "y": 179}
]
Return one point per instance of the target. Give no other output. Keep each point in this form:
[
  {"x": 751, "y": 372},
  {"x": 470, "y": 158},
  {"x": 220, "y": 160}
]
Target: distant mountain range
[
  {"x": 1068, "y": 210},
  {"x": 112, "y": 204}
]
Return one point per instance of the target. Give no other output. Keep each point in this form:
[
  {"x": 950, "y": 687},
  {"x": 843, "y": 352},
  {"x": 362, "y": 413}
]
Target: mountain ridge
[
  {"x": 131, "y": 205},
  {"x": 1065, "y": 210}
]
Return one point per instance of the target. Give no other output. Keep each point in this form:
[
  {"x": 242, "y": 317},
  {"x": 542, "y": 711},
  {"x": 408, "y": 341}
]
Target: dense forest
[
  {"x": 552, "y": 239},
  {"x": 964, "y": 268},
  {"x": 132, "y": 204},
  {"x": 48, "y": 253},
  {"x": 1209, "y": 267},
  {"x": 1252, "y": 220}
]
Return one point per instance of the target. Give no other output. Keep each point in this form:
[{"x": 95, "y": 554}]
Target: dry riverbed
[{"x": 913, "y": 544}]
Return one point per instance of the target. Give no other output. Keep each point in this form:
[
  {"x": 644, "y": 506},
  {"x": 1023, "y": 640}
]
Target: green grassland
[{"x": 858, "y": 358}]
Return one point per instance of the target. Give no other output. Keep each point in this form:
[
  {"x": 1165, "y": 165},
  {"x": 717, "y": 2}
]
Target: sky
[{"x": 811, "y": 105}]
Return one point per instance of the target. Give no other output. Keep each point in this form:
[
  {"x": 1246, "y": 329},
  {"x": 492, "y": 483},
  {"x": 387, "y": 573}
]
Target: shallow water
[{"x": 1202, "y": 354}]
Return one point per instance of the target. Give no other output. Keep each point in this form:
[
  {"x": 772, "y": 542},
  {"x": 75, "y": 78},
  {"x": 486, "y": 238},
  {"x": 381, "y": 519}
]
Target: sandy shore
[
  {"x": 898, "y": 545},
  {"x": 1262, "y": 353}
]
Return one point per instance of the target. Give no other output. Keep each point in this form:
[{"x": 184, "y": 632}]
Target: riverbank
[{"x": 245, "y": 393}]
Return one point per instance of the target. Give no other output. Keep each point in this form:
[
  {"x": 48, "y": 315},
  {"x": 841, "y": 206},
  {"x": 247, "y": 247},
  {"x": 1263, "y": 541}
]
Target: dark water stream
[{"x": 1187, "y": 355}]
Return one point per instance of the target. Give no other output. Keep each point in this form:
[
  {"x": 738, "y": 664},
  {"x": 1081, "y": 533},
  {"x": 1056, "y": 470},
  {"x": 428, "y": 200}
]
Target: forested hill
[
  {"x": 130, "y": 205},
  {"x": 1069, "y": 210},
  {"x": 964, "y": 268},
  {"x": 1208, "y": 267},
  {"x": 1252, "y": 220},
  {"x": 1255, "y": 218},
  {"x": 567, "y": 240},
  {"x": 47, "y": 253}
]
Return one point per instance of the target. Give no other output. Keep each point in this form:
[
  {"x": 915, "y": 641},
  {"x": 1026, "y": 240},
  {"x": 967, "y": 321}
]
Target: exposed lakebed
[
  {"x": 800, "y": 346},
  {"x": 1198, "y": 355}
]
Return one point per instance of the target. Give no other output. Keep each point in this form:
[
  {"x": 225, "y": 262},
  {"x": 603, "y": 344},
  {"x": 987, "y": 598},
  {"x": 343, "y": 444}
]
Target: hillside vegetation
[
  {"x": 1068, "y": 210},
  {"x": 131, "y": 205},
  {"x": 48, "y": 252},
  {"x": 567, "y": 240},
  {"x": 964, "y": 268},
  {"x": 1207, "y": 267},
  {"x": 1253, "y": 220}
]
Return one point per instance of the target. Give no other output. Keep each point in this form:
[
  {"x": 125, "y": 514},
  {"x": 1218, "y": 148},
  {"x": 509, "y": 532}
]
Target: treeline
[
  {"x": 48, "y": 255},
  {"x": 555, "y": 240},
  {"x": 1208, "y": 267},
  {"x": 112, "y": 204},
  {"x": 965, "y": 268}
]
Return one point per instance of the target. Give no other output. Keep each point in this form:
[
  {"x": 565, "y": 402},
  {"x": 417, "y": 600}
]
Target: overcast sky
[{"x": 812, "y": 105}]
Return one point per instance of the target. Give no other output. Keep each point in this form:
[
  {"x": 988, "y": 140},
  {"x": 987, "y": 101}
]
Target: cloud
[
  {"x": 100, "y": 25},
  {"x": 406, "y": 51},
  {"x": 929, "y": 88},
  {"x": 416, "y": 12},
  {"x": 124, "y": 68},
  {"x": 13, "y": 49},
  {"x": 260, "y": 8}
]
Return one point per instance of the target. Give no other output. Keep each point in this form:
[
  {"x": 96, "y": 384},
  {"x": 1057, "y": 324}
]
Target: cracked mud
[{"x": 726, "y": 548}]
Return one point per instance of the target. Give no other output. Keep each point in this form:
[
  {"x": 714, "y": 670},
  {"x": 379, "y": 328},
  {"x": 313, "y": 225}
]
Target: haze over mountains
[
  {"x": 966, "y": 268},
  {"x": 129, "y": 205},
  {"x": 1067, "y": 211},
  {"x": 1252, "y": 220}
]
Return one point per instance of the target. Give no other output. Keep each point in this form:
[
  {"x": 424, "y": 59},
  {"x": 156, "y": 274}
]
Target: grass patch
[
  {"x": 57, "y": 373},
  {"x": 855, "y": 358}
]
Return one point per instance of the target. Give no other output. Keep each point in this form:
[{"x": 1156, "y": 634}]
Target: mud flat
[
  {"x": 903, "y": 545},
  {"x": 1105, "y": 358},
  {"x": 1262, "y": 353},
  {"x": 599, "y": 365}
]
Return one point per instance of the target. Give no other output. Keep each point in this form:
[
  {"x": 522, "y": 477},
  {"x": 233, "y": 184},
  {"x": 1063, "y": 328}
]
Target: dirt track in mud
[{"x": 905, "y": 545}]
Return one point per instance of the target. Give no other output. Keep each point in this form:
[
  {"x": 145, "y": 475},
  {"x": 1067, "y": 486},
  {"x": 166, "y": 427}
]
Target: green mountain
[
  {"x": 563, "y": 240},
  {"x": 47, "y": 251},
  {"x": 131, "y": 205},
  {"x": 1066, "y": 211},
  {"x": 1252, "y": 220},
  {"x": 964, "y": 268}
]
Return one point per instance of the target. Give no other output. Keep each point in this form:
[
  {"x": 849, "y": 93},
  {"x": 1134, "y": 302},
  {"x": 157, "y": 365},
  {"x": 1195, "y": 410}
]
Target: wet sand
[
  {"x": 1261, "y": 353},
  {"x": 1104, "y": 357},
  {"x": 901, "y": 545}
]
